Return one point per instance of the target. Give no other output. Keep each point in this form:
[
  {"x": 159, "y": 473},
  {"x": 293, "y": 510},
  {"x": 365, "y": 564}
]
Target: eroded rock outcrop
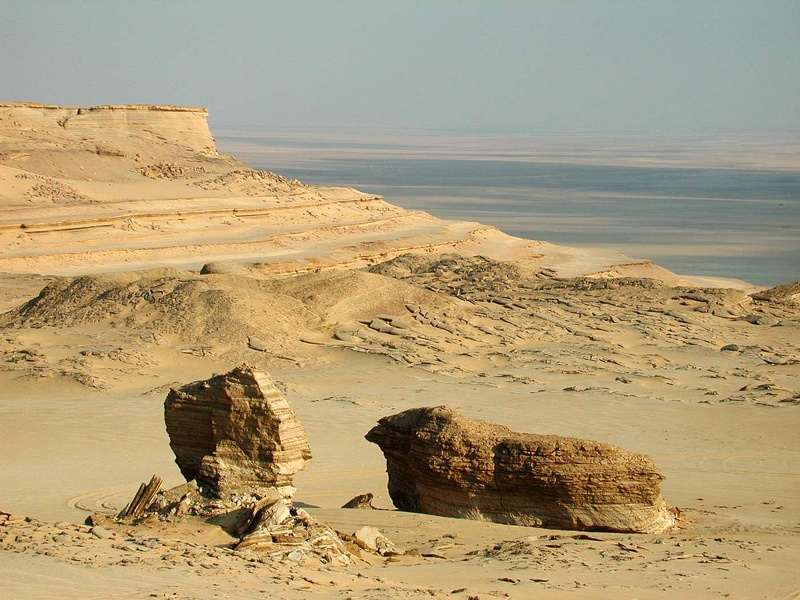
[
  {"x": 443, "y": 463},
  {"x": 104, "y": 142},
  {"x": 236, "y": 434}
]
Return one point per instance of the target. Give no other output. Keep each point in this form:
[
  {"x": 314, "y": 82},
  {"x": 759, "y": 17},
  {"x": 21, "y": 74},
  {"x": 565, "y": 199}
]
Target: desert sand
[{"x": 136, "y": 258}]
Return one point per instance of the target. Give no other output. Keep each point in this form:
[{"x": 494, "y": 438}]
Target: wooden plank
[{"x": 144, "y": 496}]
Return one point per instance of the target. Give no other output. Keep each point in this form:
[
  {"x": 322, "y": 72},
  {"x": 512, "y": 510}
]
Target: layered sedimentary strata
[
  {"x": 101, "y": 142},
  {"x": 96, "y": 189},
  {"x": 236, "y": 433},
  {"x": 443, "y": 463}
]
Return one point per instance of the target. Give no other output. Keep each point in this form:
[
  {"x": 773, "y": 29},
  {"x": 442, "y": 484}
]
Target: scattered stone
[
  {"x": 757, "y": 319},
  {"x": 361, "y": 501},
  {"x": 97, "y": 519},
  {"x": 166, "y": 170},
  {"x": 296, "y": 555},
  {"x": 255, "y": 343},
  {"x": 774, "y": 359},
  {"x": 370, "y": 538},
  {"x": 101, "y": 533},
  {"x": 345, "y": 335},
  {"x": 267, "y": 515},
  {"x": 54, "y": 191},
  {"x": 252, "y": 183},
  {"x": 380, "y": 326}
]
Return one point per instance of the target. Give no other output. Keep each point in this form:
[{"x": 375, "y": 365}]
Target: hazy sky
[{"x": 613, "y": 66}]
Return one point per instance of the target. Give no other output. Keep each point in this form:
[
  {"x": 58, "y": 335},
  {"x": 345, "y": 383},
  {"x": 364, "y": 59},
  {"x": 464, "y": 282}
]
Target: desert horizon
[
  {"x": 720, "y": 205},
  {"x": 137, "y": 259}
]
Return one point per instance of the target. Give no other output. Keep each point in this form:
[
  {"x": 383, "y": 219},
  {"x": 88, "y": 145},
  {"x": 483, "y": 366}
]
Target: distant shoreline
[{"x": 709, "y": 206}]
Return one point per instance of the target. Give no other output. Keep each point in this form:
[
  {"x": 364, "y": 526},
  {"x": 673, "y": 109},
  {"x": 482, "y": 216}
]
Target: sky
[{"x": 679, "y": 66}]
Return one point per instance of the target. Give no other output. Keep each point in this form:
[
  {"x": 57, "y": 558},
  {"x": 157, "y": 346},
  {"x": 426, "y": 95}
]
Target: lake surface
[{"x": 693, "y": 206}]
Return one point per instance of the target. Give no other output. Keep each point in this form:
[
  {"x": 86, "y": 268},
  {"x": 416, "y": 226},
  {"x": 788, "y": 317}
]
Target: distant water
[{"x": 741, "y": 223}]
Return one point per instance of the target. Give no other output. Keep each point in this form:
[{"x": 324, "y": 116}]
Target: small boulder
[
  {"x": 370, "y": 538},
  {"x": 361, "y": 501}
]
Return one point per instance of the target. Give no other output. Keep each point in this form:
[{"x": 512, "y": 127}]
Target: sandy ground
[
  {"x": 731, "y": 469},
  {"x": 85, "y": 371}
]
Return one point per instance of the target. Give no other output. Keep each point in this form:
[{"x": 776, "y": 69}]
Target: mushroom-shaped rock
[
  {"x": 236, "y": 433},
  {"x": 442, "y": 463}
]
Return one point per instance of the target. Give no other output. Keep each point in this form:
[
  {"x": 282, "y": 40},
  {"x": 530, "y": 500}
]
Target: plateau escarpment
[
  {"x": 132, "y": 187},
  {"x": 112, "y": 188},
  {"x": 105, "y": 143}
]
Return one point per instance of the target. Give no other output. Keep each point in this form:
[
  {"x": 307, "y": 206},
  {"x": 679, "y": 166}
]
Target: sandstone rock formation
[
  {"x": 236, "y": 434},
  {"x": 103, "y": 142},
  {"x": 130, "y": 187},
  {"x": 440, "y": 462}
]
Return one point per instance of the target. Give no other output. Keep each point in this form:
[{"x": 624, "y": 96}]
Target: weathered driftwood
[{"x": 144, "y": 496}]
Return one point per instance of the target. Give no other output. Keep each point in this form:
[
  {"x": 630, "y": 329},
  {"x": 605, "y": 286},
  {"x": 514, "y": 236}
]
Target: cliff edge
[
  {"x": 86, "y": 190},
  {"x": 103, "y": 142}
]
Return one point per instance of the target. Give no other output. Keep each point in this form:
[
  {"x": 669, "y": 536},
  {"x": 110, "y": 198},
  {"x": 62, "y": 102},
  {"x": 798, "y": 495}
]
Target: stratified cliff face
[
  {"x": 110, "y": 188},
  {"x": 100, "y": 142},
  {"x": 236, "y": 434},
  {"x": 440, "y": 462},
  {"x": 123, "y": 188}
]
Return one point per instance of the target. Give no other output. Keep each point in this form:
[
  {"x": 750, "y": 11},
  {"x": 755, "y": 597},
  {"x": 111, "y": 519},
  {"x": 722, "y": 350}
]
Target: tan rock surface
[
  {"x": 235, "y": 433},
  {"x": 442, "y": 463},
  {"x": 119, "y": 188}
]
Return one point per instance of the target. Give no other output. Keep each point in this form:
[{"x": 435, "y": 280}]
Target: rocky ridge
[
  {"x": 458, "y": 316},
  {"x": 111, "y": 188}
]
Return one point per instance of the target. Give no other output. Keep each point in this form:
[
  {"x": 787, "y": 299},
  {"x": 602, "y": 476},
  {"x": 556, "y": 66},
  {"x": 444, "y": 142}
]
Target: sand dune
[{"x": 135, "y": 257}]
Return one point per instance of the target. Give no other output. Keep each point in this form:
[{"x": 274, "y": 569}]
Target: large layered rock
[
  {"x": 442, "y": 463},
  {"x": 236, "y": 434}
]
